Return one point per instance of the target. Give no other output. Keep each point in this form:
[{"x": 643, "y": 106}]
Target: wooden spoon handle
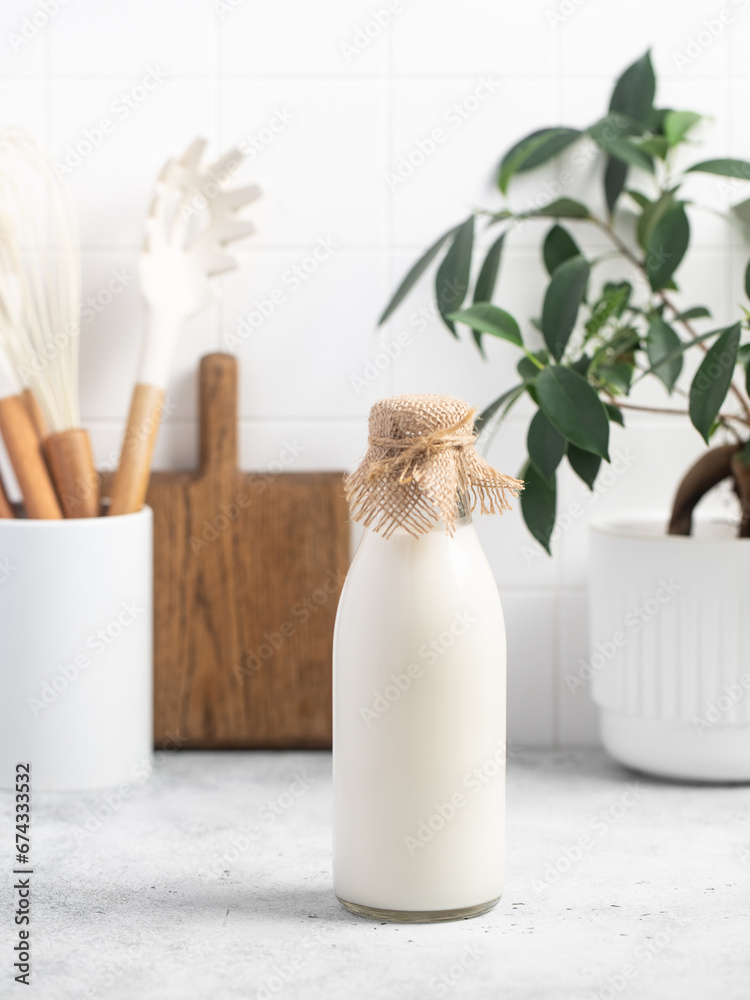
[
  {"x": 35, "y": 412},
  {"x": 71, "y": 464},
  {"x": 5, "y": 508},
  {"x": 131, "y": 478},
  {"x": 27, "y": 460}
]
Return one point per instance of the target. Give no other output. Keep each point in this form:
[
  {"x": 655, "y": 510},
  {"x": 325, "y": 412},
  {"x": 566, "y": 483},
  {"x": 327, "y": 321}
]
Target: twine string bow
[{"x": 409, "y": 452}]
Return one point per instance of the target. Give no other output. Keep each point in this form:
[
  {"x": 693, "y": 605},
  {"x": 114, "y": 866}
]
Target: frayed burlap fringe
[{"x": 420, "y": 456}]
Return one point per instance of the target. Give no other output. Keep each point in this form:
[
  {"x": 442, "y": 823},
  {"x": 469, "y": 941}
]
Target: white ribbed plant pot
[{"x": 670, "y": 647}]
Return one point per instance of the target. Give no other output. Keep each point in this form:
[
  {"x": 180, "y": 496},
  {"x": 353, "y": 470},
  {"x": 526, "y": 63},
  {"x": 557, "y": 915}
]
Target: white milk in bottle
[{"x": 419, "y": 675}]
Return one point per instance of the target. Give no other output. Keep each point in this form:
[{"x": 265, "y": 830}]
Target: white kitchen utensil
[
  {"x": 192, "y": 218},
  {"x": 24, "y": 448},
  {"x": 40, "y": 297}
]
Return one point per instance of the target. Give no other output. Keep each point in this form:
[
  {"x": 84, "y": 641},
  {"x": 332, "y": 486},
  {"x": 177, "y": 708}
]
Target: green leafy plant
[{"x": 595, "y": 340}]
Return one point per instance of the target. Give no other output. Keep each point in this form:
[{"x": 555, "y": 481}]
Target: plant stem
[
  {"x": 723, "y": 418},
  {"x": 619, "y": 243},
  {"x": 645, "y": 409},
  {"x": 531, "y": 358}
]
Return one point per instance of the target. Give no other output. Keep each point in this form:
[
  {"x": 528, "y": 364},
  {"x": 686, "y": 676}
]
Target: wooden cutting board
[{"x": 247, "y": 574}]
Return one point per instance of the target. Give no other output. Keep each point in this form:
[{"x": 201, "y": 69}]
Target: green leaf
[
  {"x": 684, "y": 346},
  {"x": 535, "y": 149},
  {"x": 485, "y": 286},
  {"x": 634, "y": 91},
  {"x": 607, "y": 132},
  {"x": 561, "y": 208},
  {"x": 489, "y": 412},
  {"x": 661, "y": 342},
  {"x": 546, "y": 445},
  {"x": 655, "y": 146},
  {"x": 414, "y": 274},
  {"x": 561, "y": 303},
  {"x": 667, "y": 245},
  {"x": 639, "y": 198},
  {"x": 724, "y": 168},
  {"x": 527, "y": 369},
  {"x": 712, "y": 380},
  {"x": 615, "y": 414},
  {"x": 612, "y": 302},
  {"x": 486, "y": 318},
  {"x": 538, "y": 505},
  {"x": 677, "y": 124},
  {"x": 624, "y": 342},
  {"x": 656, "y": 120},
  {"x": 559, "y": 246},
  {"x": 747, "y": 280},
  {"x": 619, "y": 292},
  {"x": 613, "y": 125},
  {"x": 528, "y": 372},
  {"x": 574, "y": 408},
  {"x": 452, "y": 279},
  {"x": 651, "y": 215},
  {"x": 627, "y": 151},
  {"x": 615, "y": 176},
  {"x": 617, "y": 374},
  {"x": 584, "y": 464},
  {"x": 696, "y": 312}
]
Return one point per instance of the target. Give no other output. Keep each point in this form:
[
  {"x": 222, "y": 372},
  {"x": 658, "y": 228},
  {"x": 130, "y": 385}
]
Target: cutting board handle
[{"x": 218, "y": 413}]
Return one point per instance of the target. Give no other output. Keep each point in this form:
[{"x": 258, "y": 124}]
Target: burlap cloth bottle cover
[{"x": 420, "y": 455}]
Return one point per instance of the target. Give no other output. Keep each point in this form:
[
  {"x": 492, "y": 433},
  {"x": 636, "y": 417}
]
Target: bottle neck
[
  {"x": 463, "y": 520},
  {"x": 463, "y": 512}
]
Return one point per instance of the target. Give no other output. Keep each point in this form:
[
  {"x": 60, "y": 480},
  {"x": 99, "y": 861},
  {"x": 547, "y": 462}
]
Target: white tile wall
[{"x": 352, "y": 86}]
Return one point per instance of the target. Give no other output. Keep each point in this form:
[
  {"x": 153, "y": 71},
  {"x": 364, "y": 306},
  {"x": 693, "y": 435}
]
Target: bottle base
[{"x": 418, "y": 916}]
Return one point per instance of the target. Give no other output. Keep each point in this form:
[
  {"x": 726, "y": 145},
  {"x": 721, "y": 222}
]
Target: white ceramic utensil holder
[
  {"x": 76, "y": 639},
  {"x": 670, "y": 635}
]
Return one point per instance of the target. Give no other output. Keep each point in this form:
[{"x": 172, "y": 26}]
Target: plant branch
[
  {"x": 723, "y": 418},
  {"x": 691, "y": 330},
  {"x": 629, "y": 255},
  {"x": 645, "y": 409}
]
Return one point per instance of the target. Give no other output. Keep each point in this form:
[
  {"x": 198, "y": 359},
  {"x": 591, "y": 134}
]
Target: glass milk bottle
[{"x": 419, "y": 675}]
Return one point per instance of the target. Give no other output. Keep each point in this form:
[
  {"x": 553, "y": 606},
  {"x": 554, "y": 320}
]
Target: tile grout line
[
  {"x": 390, "y": 211},
  {"x": 369, "y": 78},
  {"x": 47, "y": 81},
  {"x": 217, "y": 320},
  {"x": 728, "y": 248},
  {"x": 707, "y": 250},
  {"x": 558, "y": 582}
]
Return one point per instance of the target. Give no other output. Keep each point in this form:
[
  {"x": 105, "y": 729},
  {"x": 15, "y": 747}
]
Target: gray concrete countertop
[{"x": 213, "y": 879}]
